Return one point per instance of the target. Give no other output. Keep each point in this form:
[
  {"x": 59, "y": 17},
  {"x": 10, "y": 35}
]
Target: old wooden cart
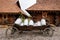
[{"x": 15, "y": 31}]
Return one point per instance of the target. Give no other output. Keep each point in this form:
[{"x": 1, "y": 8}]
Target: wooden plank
[
  {"x": 3, "y": 26},
  {"x": 58, "y": 20},
  {"x": 51, "y": 19}
]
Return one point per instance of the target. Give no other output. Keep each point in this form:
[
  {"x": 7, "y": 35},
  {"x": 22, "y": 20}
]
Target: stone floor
[{"x": 31, "y": 35}]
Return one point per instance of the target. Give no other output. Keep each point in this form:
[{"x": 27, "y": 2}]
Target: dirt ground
[{"x": 32, "y": 35}]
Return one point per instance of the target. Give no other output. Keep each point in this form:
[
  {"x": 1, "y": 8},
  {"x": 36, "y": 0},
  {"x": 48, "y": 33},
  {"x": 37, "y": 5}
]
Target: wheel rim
[
  {"x": 48, "y": 31},
  {"x": 9, "y": 32}
]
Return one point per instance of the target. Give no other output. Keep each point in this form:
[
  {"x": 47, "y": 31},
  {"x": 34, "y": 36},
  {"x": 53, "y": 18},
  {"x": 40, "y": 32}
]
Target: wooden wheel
[
  {"x": 48, "y": 32},
  {"x": 12, "y": 32}
]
